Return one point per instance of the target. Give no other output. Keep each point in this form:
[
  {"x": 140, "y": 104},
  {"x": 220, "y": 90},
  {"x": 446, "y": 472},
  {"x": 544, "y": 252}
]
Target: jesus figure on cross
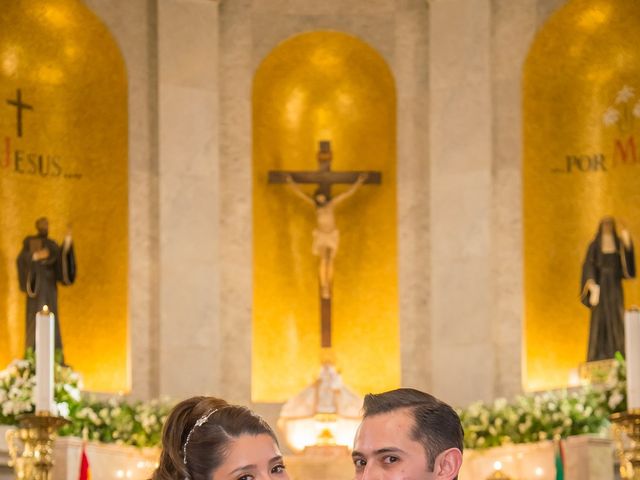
[{"x": 326, "y": 236}]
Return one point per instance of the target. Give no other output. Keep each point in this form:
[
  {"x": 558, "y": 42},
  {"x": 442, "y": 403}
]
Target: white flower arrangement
[
  {"x": 528, "y": 418},
  {"x": 111, "y": 421},
  {"x": 17, "y": 384},
  {"x": 548, "y": 415}
]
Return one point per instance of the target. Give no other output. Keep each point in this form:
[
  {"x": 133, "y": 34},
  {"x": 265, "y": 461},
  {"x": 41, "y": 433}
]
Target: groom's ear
[{"x": 447, "y": 464}]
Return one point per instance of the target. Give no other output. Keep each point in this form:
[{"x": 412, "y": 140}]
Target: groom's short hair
[{"x": 435, "y": 424}]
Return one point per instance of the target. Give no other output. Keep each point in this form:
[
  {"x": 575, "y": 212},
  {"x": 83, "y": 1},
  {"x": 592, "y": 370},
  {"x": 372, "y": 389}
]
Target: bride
[{"x": 205, "y": 438}]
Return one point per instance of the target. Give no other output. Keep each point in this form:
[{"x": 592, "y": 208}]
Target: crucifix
[{"x": 326, "y": 236}]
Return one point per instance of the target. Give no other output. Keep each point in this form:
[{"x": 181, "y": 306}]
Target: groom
[{"x": 407, "y": 435}]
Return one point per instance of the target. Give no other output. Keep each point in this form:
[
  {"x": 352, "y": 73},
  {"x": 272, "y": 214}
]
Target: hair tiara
[{"x": 201, "y": 421}]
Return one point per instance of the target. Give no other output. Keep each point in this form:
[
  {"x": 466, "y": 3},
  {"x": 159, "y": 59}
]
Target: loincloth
[{"x": 325, "y": 241}]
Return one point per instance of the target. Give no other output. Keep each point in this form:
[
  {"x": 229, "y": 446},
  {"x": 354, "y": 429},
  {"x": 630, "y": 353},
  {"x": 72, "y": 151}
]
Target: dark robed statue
[
  {"x": 41, "y": 265},
  {"x": 610, "y": 258}
]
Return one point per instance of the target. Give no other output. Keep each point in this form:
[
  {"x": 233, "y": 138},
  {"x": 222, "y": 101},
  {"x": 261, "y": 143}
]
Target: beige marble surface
[
  {"x": 515, "y": 27},
  {"x": 188, "y": 198},
  {"x": 461, "y": 182}
]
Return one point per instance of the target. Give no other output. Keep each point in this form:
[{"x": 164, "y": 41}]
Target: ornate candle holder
[
  {"x": 625, "y": 427},
  {"x": 498, "y": 475},
  {"x": 36, "y": 433}
]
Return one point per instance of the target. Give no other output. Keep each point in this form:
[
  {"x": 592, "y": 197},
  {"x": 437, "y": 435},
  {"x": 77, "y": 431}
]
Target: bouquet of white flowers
[
  {"x": 111, "y": 421},
  {"x": 17, "y": 383}
]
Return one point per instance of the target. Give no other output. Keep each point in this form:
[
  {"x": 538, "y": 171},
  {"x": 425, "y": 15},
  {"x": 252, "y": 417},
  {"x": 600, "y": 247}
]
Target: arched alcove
[
  {"x": 578, "y": 166},
  {"x": 65, "y": 157},
  {"x": 316, "y": 86}
]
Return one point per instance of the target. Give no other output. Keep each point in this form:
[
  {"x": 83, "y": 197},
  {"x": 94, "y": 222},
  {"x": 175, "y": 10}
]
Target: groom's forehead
[{"x": 393, "y": 425}]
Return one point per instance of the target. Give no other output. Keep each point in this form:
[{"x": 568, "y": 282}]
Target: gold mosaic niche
[
  {"x": 69, "y": 69},
  {"x": 580, "y": 60},
  {"x": 324, "y": 86}
]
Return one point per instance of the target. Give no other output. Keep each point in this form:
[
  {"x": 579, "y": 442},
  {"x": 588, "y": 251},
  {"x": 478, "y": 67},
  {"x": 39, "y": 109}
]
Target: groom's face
[{"x": 385, "y": 450}]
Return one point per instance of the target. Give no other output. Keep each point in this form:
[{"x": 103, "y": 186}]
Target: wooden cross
[
  {"x": 19, "y": 107},
  {"x": 324, "y": 178}
]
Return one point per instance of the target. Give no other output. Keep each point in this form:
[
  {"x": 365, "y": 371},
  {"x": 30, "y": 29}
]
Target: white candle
[
  {"x": 632, "y": 348},
  {"x": 44, "y": 362}
]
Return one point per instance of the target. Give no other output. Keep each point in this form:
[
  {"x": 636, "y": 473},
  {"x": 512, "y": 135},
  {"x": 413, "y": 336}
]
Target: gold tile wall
[
  {"x": 70, "y": 164},
  {"x": 578, "y": 166}
]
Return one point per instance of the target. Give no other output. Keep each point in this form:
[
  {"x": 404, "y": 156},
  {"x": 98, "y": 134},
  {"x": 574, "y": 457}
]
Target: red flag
[{"x": 85, "y": 471}]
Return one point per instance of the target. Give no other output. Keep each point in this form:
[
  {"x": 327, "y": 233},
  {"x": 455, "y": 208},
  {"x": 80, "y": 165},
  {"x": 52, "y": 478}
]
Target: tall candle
[
  {"x": 44, "y": 362},
  {"x": 632, "y": 348}
]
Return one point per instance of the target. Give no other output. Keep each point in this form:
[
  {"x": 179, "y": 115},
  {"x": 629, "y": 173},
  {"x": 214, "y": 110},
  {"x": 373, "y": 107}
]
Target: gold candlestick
[
  {"x": 498, "y": 475},
  {"x": 37, "y": 434},
  {"x": 625, "y": 427}
]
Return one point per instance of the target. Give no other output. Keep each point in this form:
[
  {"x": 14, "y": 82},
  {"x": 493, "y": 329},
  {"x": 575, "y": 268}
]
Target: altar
[
  {"x": 587, "y": 457},
  {"x": 106, "y": 461}
]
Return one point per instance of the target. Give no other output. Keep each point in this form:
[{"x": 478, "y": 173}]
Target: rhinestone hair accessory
[{"x": 201, "y": 421}]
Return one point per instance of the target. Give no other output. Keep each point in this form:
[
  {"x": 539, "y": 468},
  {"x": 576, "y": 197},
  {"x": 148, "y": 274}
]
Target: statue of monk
[{"x": 42, "y": 264}]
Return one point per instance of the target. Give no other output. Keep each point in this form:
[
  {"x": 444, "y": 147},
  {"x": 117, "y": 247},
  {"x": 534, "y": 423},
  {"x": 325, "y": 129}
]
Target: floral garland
[
  {"x": 117, "y": 421},
  {"x": 529, "y": 418},
  {"x": 550, "y": 415},
  {"x": 110, "y": 421}
]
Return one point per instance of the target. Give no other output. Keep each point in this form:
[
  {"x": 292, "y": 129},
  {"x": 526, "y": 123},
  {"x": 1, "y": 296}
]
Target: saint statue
[
  {"x": 41, "y": 265},
  {"x": 609, "y": 259},
  {"x": 326, "y": 236}
]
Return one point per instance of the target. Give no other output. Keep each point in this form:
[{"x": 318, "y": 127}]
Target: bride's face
[{"x": 252, "y": 457}]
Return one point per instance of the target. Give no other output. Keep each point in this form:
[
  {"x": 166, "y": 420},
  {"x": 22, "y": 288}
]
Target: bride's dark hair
[{"x": 209, "y": 423}]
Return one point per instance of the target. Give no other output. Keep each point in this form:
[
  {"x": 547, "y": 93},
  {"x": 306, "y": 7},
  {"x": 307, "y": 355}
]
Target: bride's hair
[{"x": 196, "y": 434}]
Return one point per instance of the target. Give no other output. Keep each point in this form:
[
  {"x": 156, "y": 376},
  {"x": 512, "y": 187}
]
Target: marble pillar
[
  {"x": 133, "y": 26},
  {"x": 462, "y": 355},
  {"x": 189, "y": 255}
]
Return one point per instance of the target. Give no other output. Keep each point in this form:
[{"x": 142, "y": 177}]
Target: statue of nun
[{"x": 609, "y": 260}]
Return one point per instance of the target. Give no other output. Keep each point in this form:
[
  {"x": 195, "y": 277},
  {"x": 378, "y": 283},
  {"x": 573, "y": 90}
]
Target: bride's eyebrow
[
  {"x": 253, "y": 466},
  {"x": 243, "y": 468}
]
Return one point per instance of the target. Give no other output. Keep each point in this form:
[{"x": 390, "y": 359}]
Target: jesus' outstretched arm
[
  {"x": 295, "y": 188},
  {"x": 344, "y": 195}
]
